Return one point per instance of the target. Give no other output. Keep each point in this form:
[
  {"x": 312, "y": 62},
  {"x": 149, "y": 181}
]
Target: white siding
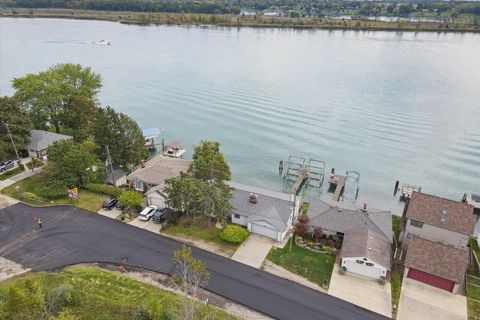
[
  {"x": 436, "y": 234},
  {"x": 242, "y": 220},
  {"x": 156, "y": 200},
  {"x": 375, "y": 271},
  {"x": 264, "y": 228}
]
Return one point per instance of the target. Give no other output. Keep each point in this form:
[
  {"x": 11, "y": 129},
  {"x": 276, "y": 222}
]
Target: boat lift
[{"x": 298, "y": 172}]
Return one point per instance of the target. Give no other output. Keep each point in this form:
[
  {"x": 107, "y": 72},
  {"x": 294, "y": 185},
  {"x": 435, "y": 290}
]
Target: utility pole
[
  {"x": 13, "y": 143},
  {"x": 111, "y": 168}
]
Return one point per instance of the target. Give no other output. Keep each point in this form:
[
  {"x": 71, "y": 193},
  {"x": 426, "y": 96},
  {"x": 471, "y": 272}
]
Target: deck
[
  {"x": 339, "y": 181},
  {"x": 303, "y": 175}
]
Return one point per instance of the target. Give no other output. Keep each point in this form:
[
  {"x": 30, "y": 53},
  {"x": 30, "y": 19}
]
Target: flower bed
[{"x": 315, "y": 247}]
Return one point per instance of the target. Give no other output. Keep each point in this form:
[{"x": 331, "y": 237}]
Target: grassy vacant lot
[
  {"x": 87, "y": 200},
  {"x": 313, "y": 266},
  {"x": 10, "y": 173},
  {"x": 200, "y": 229},
  {"x": 104, "y": 295}
]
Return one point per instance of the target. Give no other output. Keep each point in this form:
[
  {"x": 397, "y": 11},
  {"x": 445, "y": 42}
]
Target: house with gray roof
[
  {"x": 336, "y": 220},
  {"x": 366, "y": 252},
  {"x": 265, "y": 212},
  {"x": 40, "y": 140}
]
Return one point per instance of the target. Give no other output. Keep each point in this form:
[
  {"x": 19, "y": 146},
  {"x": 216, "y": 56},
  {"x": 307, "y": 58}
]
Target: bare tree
[{"x": 189, "y": 274}]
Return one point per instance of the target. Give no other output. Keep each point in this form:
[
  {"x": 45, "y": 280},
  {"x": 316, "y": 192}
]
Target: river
[{"x": 392, "y": 106}]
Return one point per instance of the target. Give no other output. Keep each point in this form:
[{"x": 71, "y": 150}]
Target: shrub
[
  {"x": 298, "y": 239},
  {"x": 233, "y": 233},
  {"x": 131, "y": 199},
  {"x": 381, "y": 280},
  {"x": 52, "y": 190},
  {"x": 342, "y": 270},
  {"x": 172, "y": 218},
  {"x": 29, "y": 196},
  {"x": 61, "y": 297},
  {"x": 330, "y": 243},
  {"x": 103, "y": 189},
  {"x": 303, "y": 219}
]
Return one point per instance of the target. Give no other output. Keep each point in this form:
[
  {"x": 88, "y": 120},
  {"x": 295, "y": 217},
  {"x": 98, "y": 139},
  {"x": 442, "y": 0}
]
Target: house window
[
  {"x": 369, "y": 264},
  {"x": 359, "y": 261},
  {"x": 138, "y": 185},
  {"x": 416, "y": 223},
  {"x": 237, "y": 216}
]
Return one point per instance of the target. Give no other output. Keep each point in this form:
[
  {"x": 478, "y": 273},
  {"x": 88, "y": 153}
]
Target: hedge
[
  {"x": 233, "y": 233},
  {"x": 102, "y": 188}
]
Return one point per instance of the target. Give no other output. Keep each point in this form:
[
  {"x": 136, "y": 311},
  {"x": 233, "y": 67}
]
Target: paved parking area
[
  {"x": 147, "y": 225},
  {"x": 362, "y": 291},
  {"x": 431, "y": 303},
  {"x": 254, "y": 250},
  {"x": 113, "y": 214}
]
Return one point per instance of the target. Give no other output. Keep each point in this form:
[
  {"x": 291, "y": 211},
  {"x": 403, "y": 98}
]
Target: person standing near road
[{"x": 39, "y": 221}]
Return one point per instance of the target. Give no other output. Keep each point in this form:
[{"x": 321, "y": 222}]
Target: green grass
[
  {"x": 396, "y": 284},
  {"x": 313, "y": 266},
  {"x": 199, "y": 229},
  {"x": 396, "y": 222},
  {"x": 305, "y": 207},
  {"x": 105, "y": 295},
  {"x": 87, "y": 200},
  {"x": 10, "y": 173},
  {"x": 37, "y": 163},
  {"x": 473, "y": 297}
]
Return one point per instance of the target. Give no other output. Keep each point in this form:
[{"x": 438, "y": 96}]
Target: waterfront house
[
  {"x": 40, "y": 140},
  {"x": 116, "y": 178},
  {"x": 336, "y": 220},
  {"x": 366, "y": 252},
  {"x": 437, "y": 219},
  {"x": 265, "y": 212},
  {"x": 435, "y": 264},
  {"x": 151, "y": 175},
  {"x": 435, "y": 234}
]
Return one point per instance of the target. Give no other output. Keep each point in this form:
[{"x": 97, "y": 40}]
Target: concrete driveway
[
  {"x": 253, "y": 250},
  {"x": 112, "y": 214},
  {"x": 431, "y": 303},
  {"x": 362, "y": 291},
  {"x": 147, "y": 225}
]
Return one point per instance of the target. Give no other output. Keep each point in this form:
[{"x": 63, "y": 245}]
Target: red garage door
[{"x": 431, "y": 279}]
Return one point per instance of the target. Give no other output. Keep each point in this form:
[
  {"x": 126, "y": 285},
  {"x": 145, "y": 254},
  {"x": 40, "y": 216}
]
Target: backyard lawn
[
  {"x": 313, "y": 266},
  {"x": 106, "y": 295},
  {"x": 201, "y": 229},
  {"x": 87, "y": 200}
]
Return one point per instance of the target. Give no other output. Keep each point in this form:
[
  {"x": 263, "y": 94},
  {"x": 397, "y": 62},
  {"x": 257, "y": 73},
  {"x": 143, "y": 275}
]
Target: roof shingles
[
  {"x": 427, "y": 208},
  {"x": 438, "y": 259}
]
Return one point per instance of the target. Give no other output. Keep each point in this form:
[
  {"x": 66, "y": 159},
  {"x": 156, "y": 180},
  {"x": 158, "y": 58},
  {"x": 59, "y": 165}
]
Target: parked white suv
[{"x": 147, "y": 213}]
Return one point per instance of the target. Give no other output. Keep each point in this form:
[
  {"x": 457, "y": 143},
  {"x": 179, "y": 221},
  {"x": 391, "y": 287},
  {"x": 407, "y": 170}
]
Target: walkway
[
  {"x": 71, "y": 235},
  {"x": 253, "y": 250}
]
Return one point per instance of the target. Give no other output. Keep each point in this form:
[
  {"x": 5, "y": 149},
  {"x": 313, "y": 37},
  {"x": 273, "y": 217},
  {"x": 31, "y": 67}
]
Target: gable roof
[
  {"x": 160, "y": 168},
  {"x": 272, "y": 206},
  {"x": 40, "y": 139},
  {"x": 330, "y": 216},
  {"x": 438, "y": 259},
  {"x": 428, "y": 209},
  {"x": 366, "y": 243}
]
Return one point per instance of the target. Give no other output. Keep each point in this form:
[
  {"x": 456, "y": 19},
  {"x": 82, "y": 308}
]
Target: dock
[
  {"x": 303, "y": 175},
  {"x": 339, "y": 182}
]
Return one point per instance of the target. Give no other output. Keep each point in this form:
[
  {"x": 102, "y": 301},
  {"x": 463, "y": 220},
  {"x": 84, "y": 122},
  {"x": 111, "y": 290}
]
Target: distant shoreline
[{"x": 160, "y": 18}]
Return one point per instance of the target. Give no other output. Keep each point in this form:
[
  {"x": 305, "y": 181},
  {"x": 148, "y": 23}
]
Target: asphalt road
[{"x": 71, "y": 235}]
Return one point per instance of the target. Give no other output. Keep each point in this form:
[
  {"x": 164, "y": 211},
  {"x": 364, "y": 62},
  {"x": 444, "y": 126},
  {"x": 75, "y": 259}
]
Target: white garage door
[
  {"x": 264, "y": 231},
  {"x": 363, "y": 269},
  {"x": 154, "y": 201}
]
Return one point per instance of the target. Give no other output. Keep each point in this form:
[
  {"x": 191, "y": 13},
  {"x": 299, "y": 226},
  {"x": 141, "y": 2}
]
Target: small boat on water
[
  {"x": 104, "y": 42},
  {"x": 174, "y": 149}
]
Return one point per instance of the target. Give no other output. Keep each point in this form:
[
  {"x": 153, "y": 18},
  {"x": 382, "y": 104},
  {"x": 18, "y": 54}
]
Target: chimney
[
  {"x": 253, "y": 198},
  {"x": 142, "y": 163},
  {"x": 364, "y": 208}
]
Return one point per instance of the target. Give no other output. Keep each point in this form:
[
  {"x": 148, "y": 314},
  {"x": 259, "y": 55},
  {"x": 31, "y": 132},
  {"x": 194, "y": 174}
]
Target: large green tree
[
  {"x": 209, "y": 163},
  {"x": 73, "y": 165},
  {"x": 79, "y": 116},
  {"x": 19, "y": 124},
  {"x": 45, "y": 95},
  {"x": 123, "y": 136}
]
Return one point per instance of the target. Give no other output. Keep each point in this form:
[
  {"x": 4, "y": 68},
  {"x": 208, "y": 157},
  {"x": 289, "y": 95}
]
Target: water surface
[{"x": 389, "y": 105}]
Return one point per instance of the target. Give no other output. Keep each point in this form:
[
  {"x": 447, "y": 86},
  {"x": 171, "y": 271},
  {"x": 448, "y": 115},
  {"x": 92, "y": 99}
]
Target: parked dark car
[
  {"x": 5, "y": 165},
  {"x": 161, "y": 215},
  {"x": 110, "y": 203}
]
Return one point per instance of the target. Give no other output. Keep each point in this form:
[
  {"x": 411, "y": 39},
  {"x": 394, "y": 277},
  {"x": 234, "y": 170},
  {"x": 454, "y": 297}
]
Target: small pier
[
  {"x": 407, "y": 191},
  {"x": 339, "y": 183},
  {"x": 299, "y": 173}
]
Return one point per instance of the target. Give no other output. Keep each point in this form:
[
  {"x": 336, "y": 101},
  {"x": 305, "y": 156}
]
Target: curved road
[{"x": 71, "y": 235}]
